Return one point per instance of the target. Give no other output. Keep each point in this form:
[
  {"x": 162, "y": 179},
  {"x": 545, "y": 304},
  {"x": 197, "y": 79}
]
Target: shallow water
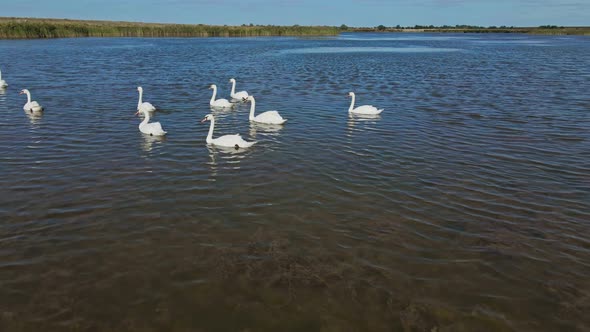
[{"x": 465, "y": 206}]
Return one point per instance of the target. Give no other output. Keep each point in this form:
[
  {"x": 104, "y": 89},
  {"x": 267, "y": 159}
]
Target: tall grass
[{"x": 16, "y": 28}]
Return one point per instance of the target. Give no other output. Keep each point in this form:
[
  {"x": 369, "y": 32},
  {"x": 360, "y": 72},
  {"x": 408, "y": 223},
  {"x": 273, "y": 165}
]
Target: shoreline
[
  {"x": 49, "y": 28},
  {"x": 572, "y": 31}
]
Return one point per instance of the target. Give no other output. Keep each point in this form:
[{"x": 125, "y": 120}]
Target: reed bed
[{"x": 18, "y": 28}]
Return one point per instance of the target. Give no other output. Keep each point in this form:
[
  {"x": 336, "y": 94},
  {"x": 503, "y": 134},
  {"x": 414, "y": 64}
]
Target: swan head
[
  {"x": 351, "y": 94},
  {"x": 23, "y": 91},
  {"x": 140, "y": 89},
  {"x": 232, "y": 80},
  {"x": 213, "y": 86},
  {"x": 207, "y": 117},
  {"x": 249, "y": 98}
]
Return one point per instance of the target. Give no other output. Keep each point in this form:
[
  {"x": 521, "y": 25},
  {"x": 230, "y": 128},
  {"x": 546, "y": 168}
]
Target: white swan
[
  {"x": 269, "y": 117},
  {"x": 152, "y": 129},
  {"x": 3, "y": 83},
  {"x": 221, "y": 103},
  {"x": 241, "y": 95},
  {"x": 365, "y": 109},
  {"x": 143, "y": 106},
  {"x": 234, "y": 141},
  {"x": 30, "y": 106}
]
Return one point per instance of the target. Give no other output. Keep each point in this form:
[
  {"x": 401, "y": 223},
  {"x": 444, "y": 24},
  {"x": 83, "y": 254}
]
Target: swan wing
[
  {"x": 270, "y": 117},
  {"x": 147, "y": 106},
  {"x": 240, "y": 95},
  {"x": 154, "y": 128},
  {"x": 33, "y": 106},
  {"x": 232, "y": 141},
  {"x": 221, "y": 103},
  {"x": 367, "y": 109}
]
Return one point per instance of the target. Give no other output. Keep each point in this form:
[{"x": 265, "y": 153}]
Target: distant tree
[
  {"x": 398, "y": 26},
  {"x": 251, "y": 24},
  {"x": 344, "y": 27},
  {"x": 381, "y": 27}
]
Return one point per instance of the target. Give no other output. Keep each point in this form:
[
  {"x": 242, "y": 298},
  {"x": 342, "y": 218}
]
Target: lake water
[{"x": 465, "y": 206}]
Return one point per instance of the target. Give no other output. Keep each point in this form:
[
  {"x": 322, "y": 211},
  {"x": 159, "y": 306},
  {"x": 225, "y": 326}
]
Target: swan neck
[
  {"x": 352, "y": 103},
  {"x": 0, "y": 75},
  {"x": 233, "y": 88},
  {"x": 28, "y": 97},
  {"x": 146, "y": 119},
  {"x": 210, "y": 134},
  {"x": 140, "y": 98},
  {"x": 213, "y": 97},
  {"x": 252, "y": 108}
]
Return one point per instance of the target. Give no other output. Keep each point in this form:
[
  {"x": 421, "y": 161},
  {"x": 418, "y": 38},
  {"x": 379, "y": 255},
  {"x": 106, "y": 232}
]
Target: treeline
[
  {"x": 543, "y": 29},
  {"x": 15, "y": 28}
]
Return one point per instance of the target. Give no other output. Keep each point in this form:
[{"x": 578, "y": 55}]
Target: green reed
[{"x": 13, "y": 28}]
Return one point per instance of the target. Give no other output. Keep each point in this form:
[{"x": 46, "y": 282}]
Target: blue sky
[{"x": 313, "y": 12}]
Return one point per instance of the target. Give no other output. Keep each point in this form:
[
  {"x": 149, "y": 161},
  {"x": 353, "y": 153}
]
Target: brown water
[{"x": 465, "y": 206}]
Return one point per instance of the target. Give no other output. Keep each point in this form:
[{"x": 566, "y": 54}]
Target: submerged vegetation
[{"x": 21, "y": 28}]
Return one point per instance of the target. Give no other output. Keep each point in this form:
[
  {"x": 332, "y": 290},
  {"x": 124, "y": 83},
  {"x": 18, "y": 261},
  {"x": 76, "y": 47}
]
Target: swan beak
[
  {"x": 21, "y": 93},
  {"x": 205, "y": 119},
  {"x": 137, "y": 113}
]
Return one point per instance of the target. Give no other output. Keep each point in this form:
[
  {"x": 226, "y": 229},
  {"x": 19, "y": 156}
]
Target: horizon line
[{"x": 422, "y": 26}]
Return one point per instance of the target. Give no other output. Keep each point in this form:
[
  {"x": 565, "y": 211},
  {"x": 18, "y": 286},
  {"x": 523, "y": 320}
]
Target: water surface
[{"x": 465, "y": 206}]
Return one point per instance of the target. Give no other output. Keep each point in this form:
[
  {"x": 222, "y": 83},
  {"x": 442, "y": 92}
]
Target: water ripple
[{"x": 464, "y": 205}]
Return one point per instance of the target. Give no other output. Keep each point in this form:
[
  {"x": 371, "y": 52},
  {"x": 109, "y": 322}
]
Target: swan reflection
[
  {"x": 221, "y": 110},
  {"x": 2, "y": 96},
  {"x": 266, "y": 129},
  {"x": 225, "y": 157},
  {"x": 354, "y": 118},
  {"x": 364, "y": 117},
  {"x": 34, "y": 117},
  {"x": 149, "y": 142}
]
